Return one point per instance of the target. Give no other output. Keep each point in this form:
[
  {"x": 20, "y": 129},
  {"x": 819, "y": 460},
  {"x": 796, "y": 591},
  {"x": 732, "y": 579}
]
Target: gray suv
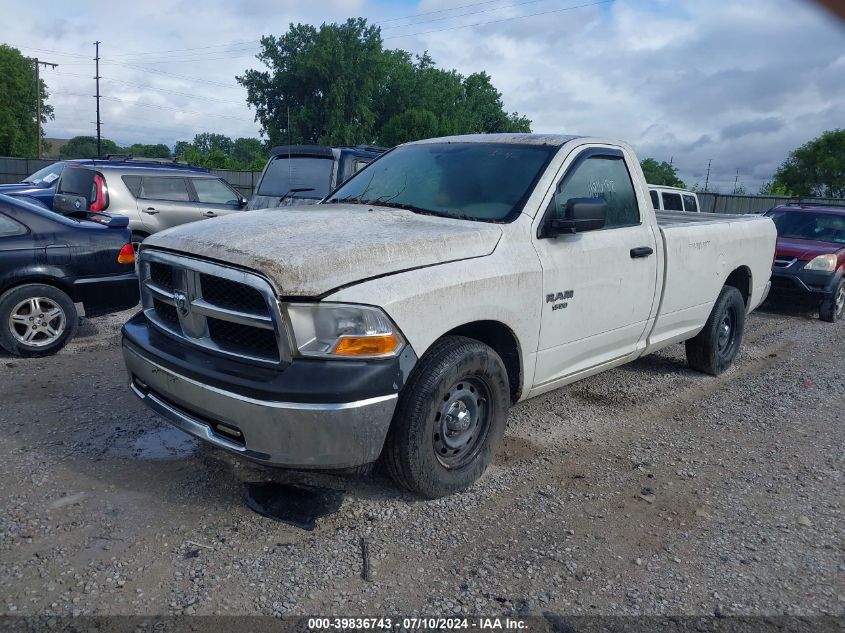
[{"x": 152, "y": 197}]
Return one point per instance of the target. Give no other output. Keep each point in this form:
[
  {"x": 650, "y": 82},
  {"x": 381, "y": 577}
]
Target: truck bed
[
  {"x": 701, "y": 251},
  {"x": 673, "y": 218}
]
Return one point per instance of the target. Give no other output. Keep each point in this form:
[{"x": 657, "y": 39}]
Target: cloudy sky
[{"x": 741, "y": 83}]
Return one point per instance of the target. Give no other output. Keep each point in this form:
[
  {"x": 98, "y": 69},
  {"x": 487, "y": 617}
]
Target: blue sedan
[{"x": 49, "y": 262}]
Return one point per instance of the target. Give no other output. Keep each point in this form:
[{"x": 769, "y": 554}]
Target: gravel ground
[{"x": 649, "y": 489}]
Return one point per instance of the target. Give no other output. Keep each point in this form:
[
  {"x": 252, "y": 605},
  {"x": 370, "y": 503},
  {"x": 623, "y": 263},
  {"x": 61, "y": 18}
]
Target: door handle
[
  {"x": 641, "y": 251},
  {"x": 209, "y": 214},
  {"x": 150, "y": 210}
]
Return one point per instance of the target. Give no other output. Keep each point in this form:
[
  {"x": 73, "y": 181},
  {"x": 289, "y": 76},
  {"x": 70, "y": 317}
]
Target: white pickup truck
[{"x": 448, "y": 280}]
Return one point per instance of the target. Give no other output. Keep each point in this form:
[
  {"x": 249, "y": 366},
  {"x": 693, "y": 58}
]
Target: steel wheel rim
[
  {"x": 462, "y": 422},
  {"x": 840, "y": 299},
  {"x": 37, "y": 322},
  {"x": 727, "y": 330}
]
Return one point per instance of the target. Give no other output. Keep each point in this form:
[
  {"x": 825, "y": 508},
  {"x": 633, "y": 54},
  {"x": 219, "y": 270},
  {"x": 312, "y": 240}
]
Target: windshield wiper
[
  {"x": 396, "y": 205},
  {"x": 290, "y": 191},
  {"x": 349, "y": 200}
]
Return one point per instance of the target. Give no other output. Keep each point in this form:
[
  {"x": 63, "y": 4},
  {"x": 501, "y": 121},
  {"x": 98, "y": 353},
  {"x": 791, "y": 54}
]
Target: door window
[
  {"x": 689, "y": 203},
  {"x": 655, "y": 201},
  {"x": 605, "y": 178},
  {"x": 133, "y": 183},
  {"x": 214, "y": 191},
  {"x": 8, "y": 227},
  {"x": 160, "y": 188},
  {"x": 672, "y": 202}
]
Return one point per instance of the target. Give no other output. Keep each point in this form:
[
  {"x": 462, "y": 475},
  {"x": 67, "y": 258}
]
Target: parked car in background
[
  {"x": 665, "y": 198},
  {"x": 41, "y": 186},
  {"x": 809, "y": 262},
  {"x": 305, "y": 174},
  {"x": 152, "y": 196},
  {"x": 403, "y": 315},
  {"x": 48, "y": 262}
]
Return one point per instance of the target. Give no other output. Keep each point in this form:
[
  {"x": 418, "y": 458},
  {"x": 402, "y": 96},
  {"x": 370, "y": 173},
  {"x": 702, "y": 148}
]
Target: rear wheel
[
  {"x": 36, "y": 320},
  {"x": 450, "y": 419},
  {"x": 831, "y": 310},
  {"x": 716, "y": 346}
]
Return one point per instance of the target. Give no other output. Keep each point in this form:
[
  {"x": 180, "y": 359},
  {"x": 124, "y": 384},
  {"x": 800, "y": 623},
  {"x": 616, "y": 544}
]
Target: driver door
[{"x": 599, "y": 285}]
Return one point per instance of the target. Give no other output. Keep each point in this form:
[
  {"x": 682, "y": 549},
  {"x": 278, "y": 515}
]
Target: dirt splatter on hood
[{"x": 309, "y": 251}]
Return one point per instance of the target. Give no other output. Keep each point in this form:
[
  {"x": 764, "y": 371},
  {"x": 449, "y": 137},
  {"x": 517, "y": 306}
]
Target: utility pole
[
  {"x": 736, "y": 180},
  {"x": 97, "y": 96},
  {"x": 38, "y": 64},
  {"x": 707, "y": 180}
]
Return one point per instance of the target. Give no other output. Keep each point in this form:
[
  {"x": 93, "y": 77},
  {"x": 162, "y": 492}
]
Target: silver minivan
[{"x": 152, "y": 197}]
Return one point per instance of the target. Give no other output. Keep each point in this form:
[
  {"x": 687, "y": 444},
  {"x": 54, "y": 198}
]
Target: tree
[
  {"x": 247, "y": 151},
  {"x": 218, "y": 151},
  {"x": 338, "y": 85},
  {"x": 86, "y": 147},
  {"x": 18, "y": 126},
  {"x": 159, "y": 150},
  {"x": 409, "y": 125},
  {"x": 817, "y": 168},
  {"x": 661, "y": 173},
  {"x": 208, "y": 142},
  {"x": 771, "y": 189}
]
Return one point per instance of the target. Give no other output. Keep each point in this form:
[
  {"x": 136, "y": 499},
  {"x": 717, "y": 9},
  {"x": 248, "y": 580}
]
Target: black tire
[
  {"x": 50, "y": 300},
  {"x": 467, "y": 380},
  {"x": 716, "y": 346},
  {"x": 831, "y": 310}
]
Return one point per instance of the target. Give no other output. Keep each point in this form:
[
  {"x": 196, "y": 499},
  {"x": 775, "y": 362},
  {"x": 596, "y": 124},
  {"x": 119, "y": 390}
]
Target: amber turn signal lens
[
  {"x": 126, "y": 255},
  {"x": 379, "y": 345}
]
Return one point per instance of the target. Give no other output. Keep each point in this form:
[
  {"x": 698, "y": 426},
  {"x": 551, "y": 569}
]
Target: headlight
[
  {"x": 337, "y": 330},
  {"x": 822, "y": 262}
]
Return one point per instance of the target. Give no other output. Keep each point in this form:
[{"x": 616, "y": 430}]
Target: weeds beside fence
[{"x": 16, "y": 169}]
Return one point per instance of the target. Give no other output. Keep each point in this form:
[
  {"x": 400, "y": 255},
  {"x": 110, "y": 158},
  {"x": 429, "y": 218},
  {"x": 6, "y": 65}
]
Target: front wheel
[
  {"x": 36, "y": 320},
  {"x": 831, "y": 310},
  {"x": 716, "y": 346},
  {"x": 450, "y": 419}
]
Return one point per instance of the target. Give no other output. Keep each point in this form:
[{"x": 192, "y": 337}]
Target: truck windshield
[
  {"x": 801, "y": 225},
  {"x": 284, "y": 174},
  {"x": 489, "y": 182}
]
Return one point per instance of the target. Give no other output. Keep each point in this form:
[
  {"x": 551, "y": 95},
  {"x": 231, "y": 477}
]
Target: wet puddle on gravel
[
  {"x": 165, "y": 443},
  {"x": 295, "y": 504}
]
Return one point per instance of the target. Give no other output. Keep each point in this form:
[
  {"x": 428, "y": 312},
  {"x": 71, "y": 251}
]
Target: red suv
[{"x": 810, "y": 257}]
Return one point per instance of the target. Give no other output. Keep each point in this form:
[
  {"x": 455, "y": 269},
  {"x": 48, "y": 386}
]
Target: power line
[
  {"x": 518, "y": 17},
  {"x": 152, "y": 105},
  {"x": 153, "y": 88},
  {"x": 462, "y": 15},
  {"x": 417, "y": 15},
  {"x": 196, "y": 48},
  {"x": 38, "y": 65}
]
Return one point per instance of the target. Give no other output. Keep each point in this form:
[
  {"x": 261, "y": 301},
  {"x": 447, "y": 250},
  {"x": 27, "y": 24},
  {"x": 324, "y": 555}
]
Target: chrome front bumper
[{"x": 291, "y": 434}]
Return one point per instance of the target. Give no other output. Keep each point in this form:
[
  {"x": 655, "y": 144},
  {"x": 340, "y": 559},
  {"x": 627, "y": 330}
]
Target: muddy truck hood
[{"x": 307, "y": 252}]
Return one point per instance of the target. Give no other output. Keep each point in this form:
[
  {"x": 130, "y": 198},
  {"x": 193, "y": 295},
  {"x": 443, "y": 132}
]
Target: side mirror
[
  {"x": 242, "y": 202},
  {"x": 580, "y": 214}
]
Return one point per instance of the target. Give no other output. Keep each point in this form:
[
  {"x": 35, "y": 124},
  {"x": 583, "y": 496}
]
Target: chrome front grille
[
  {"x": 784, "y": 262},
  {"x": 213, "y": 306}
]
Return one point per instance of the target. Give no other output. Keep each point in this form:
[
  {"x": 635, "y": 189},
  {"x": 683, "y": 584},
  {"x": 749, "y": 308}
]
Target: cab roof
[{"x": 555, "y": 140}]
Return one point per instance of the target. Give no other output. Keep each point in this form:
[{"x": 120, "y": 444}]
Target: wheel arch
[
  {"x": 45, "y": 280},
  {"x": 505, "y": 343},
  {"x": 741, "y": 279}
]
